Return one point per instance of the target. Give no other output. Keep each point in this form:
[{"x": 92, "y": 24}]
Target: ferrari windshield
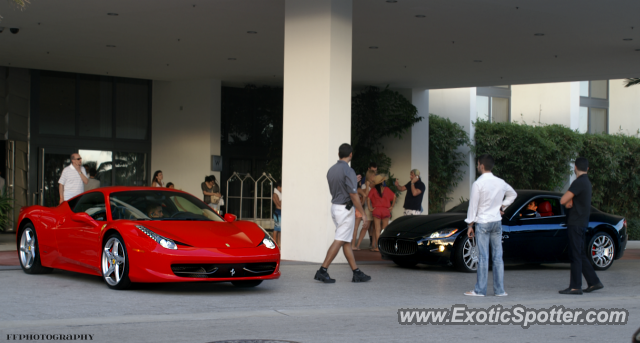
[{"x": 159, "y": 205}]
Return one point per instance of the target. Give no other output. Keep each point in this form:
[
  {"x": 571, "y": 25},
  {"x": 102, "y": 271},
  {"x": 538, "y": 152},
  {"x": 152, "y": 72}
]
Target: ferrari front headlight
[
  {"x": 268, "y": 242},
  {"x": 163, "y": 241}
]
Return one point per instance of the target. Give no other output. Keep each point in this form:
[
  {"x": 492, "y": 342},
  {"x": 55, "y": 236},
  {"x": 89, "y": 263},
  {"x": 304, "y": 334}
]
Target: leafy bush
[
  {"x": 6, "y": 206},
  {"x": 614, "y": 171},
  {"x": 376, "y": 114},
  {"x": 445, "y": 160},
  {"x": 528, "y": 157},
  {"x": 633, "y": 228}
]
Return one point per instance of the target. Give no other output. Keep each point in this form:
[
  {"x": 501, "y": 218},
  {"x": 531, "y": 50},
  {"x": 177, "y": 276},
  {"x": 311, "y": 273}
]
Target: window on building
[
  {"x": 95, "y": 104},
  {"x": 594, "y": 107},
  {"x": 493, "y": 104},
  {"x": 132, "y": 108},
  {"x": 57, "y": 102}
]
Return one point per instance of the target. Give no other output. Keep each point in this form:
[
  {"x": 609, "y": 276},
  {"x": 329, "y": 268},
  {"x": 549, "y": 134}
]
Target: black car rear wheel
[
  {"x": 601, "y": 251},
  {"x": 466, "y": 255}
]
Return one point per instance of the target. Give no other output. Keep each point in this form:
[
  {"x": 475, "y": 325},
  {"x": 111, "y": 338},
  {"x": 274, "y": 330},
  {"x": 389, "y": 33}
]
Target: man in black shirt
[
  {"x": 415, "y": 192},
  {"x": 578, "y": 200}
]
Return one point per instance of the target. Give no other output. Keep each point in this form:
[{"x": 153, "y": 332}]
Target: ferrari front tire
[
  {"x": 115, "y": 263},
  {"x": 29, "y": 252},
  {"x": 246, "y": 284}
]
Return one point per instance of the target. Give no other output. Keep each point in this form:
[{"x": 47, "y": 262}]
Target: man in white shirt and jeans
[
  {"x": 490, "y": 196},
  {"x": 73, "y": 179}
]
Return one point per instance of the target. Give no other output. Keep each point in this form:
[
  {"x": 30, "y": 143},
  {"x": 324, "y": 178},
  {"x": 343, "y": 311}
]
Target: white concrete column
[
  {"x": 185, "y": 131},
  {"x": 459, "y": 105},
  {"x": 574, "y": 121},
  {"x": 420, "y": 141},
  {"x": 317, "y": 119}
]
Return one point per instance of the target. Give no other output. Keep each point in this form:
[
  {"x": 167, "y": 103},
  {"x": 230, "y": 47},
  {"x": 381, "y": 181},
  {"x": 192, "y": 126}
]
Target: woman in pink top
[{"x": 381, "y": 200}]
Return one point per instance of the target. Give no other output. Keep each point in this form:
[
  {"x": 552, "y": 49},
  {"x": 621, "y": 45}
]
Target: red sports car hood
[{"x": 207, "y": 234}]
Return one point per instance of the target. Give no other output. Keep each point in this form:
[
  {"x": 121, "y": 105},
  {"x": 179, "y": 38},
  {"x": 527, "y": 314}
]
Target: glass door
[
  {"x": 51, "y": 165},
  {"x": 102, "y": 162}
]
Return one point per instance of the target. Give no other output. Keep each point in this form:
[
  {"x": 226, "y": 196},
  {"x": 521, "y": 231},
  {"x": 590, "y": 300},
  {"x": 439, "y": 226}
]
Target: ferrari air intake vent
[
  {"x": 194, "y": 270},
  {"x": 235, "y": 270},
  {"x": 398, "y": 247}
]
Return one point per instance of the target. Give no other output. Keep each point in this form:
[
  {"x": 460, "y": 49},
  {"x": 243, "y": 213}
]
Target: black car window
[
  {"x": 93, "y": 204},
  {"x": 540, "y": 207}
]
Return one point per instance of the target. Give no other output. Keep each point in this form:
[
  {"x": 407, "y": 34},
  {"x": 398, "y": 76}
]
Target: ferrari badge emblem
[
  {"x": 396, "y": 246},
  {"x": 227, "y": 244},
  {"x": 233, "y": 271}
]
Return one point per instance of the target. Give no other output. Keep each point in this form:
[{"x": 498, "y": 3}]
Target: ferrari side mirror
[
  {"x": 230, "y": 217},
  {"x": 84, "y": 218}
]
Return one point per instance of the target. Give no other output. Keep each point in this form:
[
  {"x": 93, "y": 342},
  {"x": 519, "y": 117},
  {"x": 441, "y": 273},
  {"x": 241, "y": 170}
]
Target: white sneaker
[
  {"x": 502, "y": 295},
  {"x": 473, "y": 294}
]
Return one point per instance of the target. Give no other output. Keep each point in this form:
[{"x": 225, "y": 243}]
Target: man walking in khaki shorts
[{"x": 343, "y": 185}]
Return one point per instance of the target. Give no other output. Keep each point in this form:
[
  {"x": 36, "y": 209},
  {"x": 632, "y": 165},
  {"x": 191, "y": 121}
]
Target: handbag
[{"x": 215, "y": 199}]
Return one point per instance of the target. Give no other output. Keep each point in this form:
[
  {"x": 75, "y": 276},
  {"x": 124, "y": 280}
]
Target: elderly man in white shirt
[
  {"x": 490, "y": 196},
  {"x": 73, "y": 179}
]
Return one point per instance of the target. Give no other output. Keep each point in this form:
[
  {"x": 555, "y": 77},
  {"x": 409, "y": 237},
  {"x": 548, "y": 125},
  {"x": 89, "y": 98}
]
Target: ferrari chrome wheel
[
  {"x": 470, "y": 255},
  {"x": 29, "y": 252},
  {"x": 602, "y": 251},
  {"x": 114, "y": 261},
  {"x": 27, "y": 248}
]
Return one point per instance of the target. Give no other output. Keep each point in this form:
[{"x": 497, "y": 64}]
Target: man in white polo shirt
[{"x": 73, "y": 179}]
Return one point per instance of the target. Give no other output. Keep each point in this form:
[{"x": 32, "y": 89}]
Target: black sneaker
[
  {"x": 359, "y": 276},
  {"x": 324, "y": 277},
  {"x": 593, "y": 288}
]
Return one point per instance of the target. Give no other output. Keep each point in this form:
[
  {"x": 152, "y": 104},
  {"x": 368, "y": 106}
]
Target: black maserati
[{"x": 528, "y": 236}]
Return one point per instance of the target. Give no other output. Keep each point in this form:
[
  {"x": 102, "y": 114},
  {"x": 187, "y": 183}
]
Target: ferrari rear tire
[
  {"x": 601, "y": 251},
  {"x": 247, "y": 283},
  {"x": 29, "y": 252},
  {"x": 115, "y": 263},
  {"x": 466, "y": 255}
]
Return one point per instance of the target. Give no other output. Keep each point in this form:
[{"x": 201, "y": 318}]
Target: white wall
[
  {"x": 459, "y": 105},
  {"x": 399, "y": 150},
  {"x": 549, "y": 103},
  {"x": 624, "y": 108},
  {"x": 185, "y": 131}
]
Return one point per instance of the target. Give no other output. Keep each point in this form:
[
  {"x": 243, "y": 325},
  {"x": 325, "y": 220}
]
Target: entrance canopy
[{"x": 403, "y": 43}]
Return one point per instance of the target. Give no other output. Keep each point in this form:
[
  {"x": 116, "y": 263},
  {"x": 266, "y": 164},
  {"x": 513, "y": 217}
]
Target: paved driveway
[{"x": 297, "y": 308}]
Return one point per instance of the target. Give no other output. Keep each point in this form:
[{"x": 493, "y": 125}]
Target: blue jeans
[{"x": 489, "y": 233}]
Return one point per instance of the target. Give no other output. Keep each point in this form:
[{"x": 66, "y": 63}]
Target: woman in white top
[{"x": 156, "y": 181}]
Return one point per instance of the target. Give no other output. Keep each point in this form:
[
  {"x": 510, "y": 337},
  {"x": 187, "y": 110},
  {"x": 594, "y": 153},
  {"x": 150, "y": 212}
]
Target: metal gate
[{"x": 250, "y": 199}]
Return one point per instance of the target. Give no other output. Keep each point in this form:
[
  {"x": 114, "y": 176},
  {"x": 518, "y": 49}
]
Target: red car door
[{"x": 78, "y": 236}]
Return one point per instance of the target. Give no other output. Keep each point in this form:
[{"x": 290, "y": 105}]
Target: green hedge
[
  {"x": 528, "y": 157},
  {"x": 614, "y": 171},
  {"x": 445, "y": 160}
]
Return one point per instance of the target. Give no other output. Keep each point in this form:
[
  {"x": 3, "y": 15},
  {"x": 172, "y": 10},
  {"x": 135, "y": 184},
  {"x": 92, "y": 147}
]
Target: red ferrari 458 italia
[{"x": 140, "y": 234}]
